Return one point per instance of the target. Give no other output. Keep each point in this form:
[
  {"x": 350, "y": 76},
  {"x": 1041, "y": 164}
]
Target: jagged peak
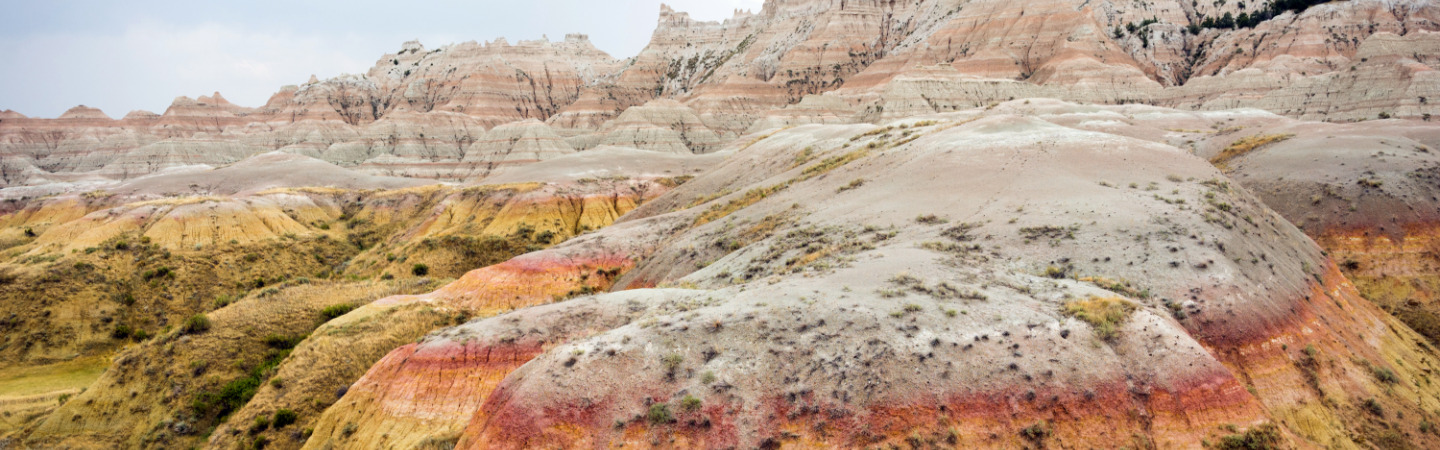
[{"x": 412, "y": 46}]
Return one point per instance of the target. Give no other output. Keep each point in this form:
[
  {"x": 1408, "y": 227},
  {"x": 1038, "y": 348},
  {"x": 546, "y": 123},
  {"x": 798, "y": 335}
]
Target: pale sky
[{"x": 121, "y": 56}]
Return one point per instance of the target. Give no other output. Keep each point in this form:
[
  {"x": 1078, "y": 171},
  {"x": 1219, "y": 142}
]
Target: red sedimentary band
[
  {"x": 527, "y": 281},
  {"x": 442, "y": 380},
  {"x": 1182, "y": 413}
]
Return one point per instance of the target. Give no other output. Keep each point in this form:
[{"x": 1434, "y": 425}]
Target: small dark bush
[
  {"x": 420, "y": 270},
  {"x": 660, "y": 414},
  {"x": 333, "y": 311},
  {"x": 285, "y": 417}
]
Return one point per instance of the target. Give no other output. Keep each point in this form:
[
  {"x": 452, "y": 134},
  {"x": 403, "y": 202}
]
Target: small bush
[
  {"x": 1385, "y": 375},
  {"x": 1036, "y": 433},
  {"x": 690, "y": 403},
  {"x": 1374, "y": 407},
  {"x": 1259, "y": 437},
  {"x": 333, "y": 311},
  {"x": 420, "y": 270},
  {"x": 262, "y": 423},
  {"x": 196, "y": 324},
  {"x": 930, "y": 219},
  {"x": 672, "y": 362},
  {"x": 660, "y": 414},
  {"x": 122, "y": 331},
  {"x": 285, "y": 417}
]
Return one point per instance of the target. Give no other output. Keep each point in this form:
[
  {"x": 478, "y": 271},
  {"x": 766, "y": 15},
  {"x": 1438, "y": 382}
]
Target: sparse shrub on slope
[{"x": 1105, "y": 315}]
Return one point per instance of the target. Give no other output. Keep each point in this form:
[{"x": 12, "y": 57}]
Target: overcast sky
[{"x": 140, "y": 54}]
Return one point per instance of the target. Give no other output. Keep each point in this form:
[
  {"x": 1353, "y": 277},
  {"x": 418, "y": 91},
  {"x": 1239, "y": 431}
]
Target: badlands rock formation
[
  {"x": 416, "y": 111},
  {"x": 827, "y": 223},
  {"x": 892, "y": 311}
]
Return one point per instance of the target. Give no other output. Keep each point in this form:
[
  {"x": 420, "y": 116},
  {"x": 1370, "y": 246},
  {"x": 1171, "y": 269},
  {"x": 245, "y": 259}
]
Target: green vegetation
[
  {"x": 660, "y": 414},
  {"x": 1259, "y": 437},
  {"x": 420, "y": 270},
  {"x": 285, "y": 417},
  {"x": 236, "y": 393},
  {"x": 1037, "y": 432},
  {"x": 196, "y": 324},
  {"x": 690, "y": 403},
  {"x": 333, "y": 311}
]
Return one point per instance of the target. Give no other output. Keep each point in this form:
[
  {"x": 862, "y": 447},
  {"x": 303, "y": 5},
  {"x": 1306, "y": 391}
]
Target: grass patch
[
  {"x": 17, "y": 380},
  {"x": 751, "y": 197},
  {"x": 333, "y": 311},
  {"x": 1244, "y": 146},
  {"x": 1104, "y": 314}
]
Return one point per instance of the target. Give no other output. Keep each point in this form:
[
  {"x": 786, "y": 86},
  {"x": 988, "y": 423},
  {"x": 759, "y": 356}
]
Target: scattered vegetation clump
[
  {"x": 1050, "y": 232},
  {"x": 420, "y": 270},
  {"x": 1384, "y": 375},
  {"x": 852, "y": 185},
  {"x": 333, "y": 311},
  {"x": 828, "y": 164},
  {"x": 196, "y": 324},
  {"x": 1104, "y": 314},
  {"x": 930, "y": 219},
  {"x": 672, "y": 364},
  {"x": 1373, "y": 406},
  {"x": 1259, "y": 437},
  {"x": 660, "y": 414},
  {"x": 690, "y": 403},
  {"x": 1244, "y": 146},
  {"x": 284, "y": 417},
  {"x": 234, "y": 394},
  {"x": 1036, "y": 433},
  {"x": 751, "y": 197}
]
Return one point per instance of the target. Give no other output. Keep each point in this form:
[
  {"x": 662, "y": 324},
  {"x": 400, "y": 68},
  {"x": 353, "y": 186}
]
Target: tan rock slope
[{"x": 989, "y": 282}]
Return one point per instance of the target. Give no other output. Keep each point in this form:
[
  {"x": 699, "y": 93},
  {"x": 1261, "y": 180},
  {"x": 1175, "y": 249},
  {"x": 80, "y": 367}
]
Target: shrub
[
  {"x": 930, "y": 219},
  {"x": 1259, "y": 437},
  {"x": 660, "y": 414},
  {"x": 333, "y": 311},
  {"x": 1385, "y": 375},
  {"x": 1105, "y": 315},
  {"x": 1374, "y": 407},
  {"x": 196, "y": 324},
  {"x": 262, "y": 423},
  {"x": 690, "y": 403},
  {"x": 285, "y": 417},
  {"x": 420, "y": 270},
  {"x": 1036, "y": 433},
  {"x": 121, "y": 331}
]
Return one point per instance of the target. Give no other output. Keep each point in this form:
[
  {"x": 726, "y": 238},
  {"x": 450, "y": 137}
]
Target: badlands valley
[{"x": 826, "y": 223}]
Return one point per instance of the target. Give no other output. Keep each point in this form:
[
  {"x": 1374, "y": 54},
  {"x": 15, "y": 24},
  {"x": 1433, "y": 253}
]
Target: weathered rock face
[
  {"x": 880, "y": 60},
  {"x": 660, "y": 125},
  {"x": 853, "y": 291},
  {"x": 516, "y": 143}
]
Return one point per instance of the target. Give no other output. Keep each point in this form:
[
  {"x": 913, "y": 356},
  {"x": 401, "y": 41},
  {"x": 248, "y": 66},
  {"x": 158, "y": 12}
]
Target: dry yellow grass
[
  {"x": 1104, "y": 314},
  {"x": 1244, "y": 146}
]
